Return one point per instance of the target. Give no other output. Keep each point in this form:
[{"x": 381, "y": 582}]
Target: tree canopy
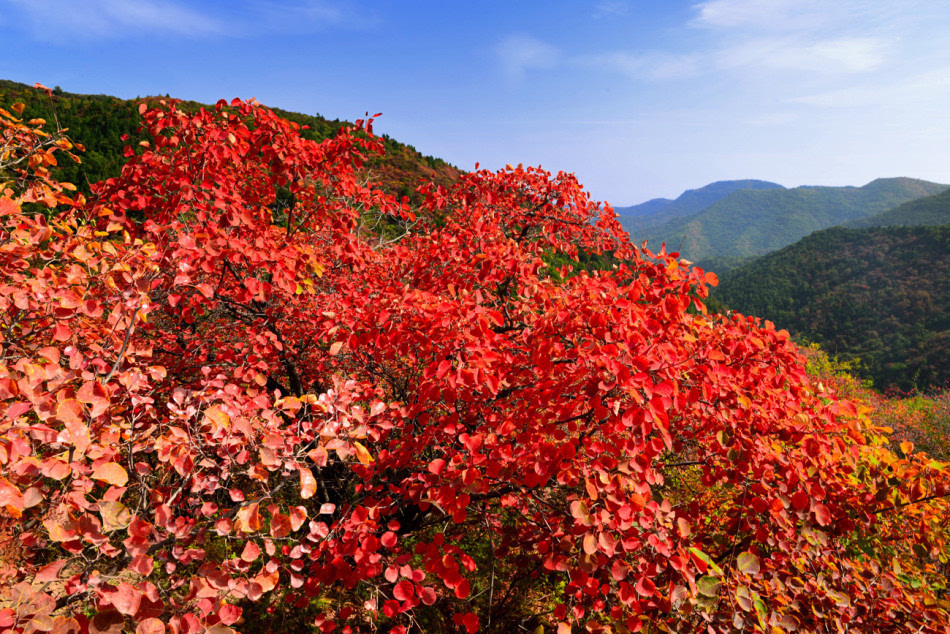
[{"x": 228, "y": 400}]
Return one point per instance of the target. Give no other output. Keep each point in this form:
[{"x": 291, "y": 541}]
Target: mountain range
[
  {"x": 743, "y": 222},
  {"x": 660, "y": 210}
]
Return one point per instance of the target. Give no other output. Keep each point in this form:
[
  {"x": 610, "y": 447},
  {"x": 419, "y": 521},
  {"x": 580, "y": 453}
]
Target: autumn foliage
[{"x": 242, "y": 388}]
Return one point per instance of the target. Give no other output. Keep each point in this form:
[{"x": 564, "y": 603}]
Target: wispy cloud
[
  {"x": 652, "y": 65},
  {"x": 929, "y": 89},
  {"x": 56, "y": 20},
  {"x": 844, "y": 36},
  {"x": 611, "y": 8},
  {"x": 519, "y": 54},
  {"x": 100, "y": 19},
  {"x": 834, "y": 55},
  {"x": 308, "y": 15},
  {"x": 762, "y": 14}
]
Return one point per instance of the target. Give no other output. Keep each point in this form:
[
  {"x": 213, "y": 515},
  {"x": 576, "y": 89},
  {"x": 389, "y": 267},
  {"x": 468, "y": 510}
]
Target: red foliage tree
[{"x": 223, "y": 400}]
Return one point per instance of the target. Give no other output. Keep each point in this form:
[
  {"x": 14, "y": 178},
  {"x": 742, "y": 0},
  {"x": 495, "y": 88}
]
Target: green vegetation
[
  {"x": 98, "y": 122},
  {"x": 923, "y": 212},
  {"x": 749, "y": 222},
  {"x": 880, "y": 295}
]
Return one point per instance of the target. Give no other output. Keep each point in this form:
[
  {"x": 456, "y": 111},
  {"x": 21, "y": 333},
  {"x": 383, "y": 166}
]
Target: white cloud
[
  {"x": 92, "y": 19},
  {"x": 836, "y": 55},
  {"x": 519, "y": 54}
]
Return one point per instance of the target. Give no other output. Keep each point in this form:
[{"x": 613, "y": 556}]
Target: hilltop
[{"x": 98, "y": 122}]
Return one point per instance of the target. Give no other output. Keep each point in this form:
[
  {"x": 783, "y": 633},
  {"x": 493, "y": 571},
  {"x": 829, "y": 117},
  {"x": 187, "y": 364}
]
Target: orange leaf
[
  {"x": 248, "y": 519},
  {"x": 69, "y": 411},
  {"x": 111, "y": 472},
  {"x": 363, "y": 453},
  {"x": 308, "y": 484},
  {"x": 218, "y": 418}
]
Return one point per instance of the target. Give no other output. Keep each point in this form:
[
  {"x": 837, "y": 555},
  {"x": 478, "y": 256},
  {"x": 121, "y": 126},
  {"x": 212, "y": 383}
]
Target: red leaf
[
  {"x": 250, "y": 552},
  {"x": 800, "y": 500},
  {"x": 428, "y": 596},
  {"x": 51, "y": 571},
  {"x": 229, "y": 614},
  {"x": 403, "y": 591},
  {"x": 822, "y": 514},
  {"x": 645, "y": 587},
  {"x": 126, "y": 599}
]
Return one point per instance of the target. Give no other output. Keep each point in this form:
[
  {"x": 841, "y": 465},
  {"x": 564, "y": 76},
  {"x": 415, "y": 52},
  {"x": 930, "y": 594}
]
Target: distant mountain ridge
[
  {"x": 659, "y": 210},
  {"x": 748, "y": 222}
]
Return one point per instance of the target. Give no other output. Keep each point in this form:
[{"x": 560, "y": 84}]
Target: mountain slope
[
  {"x": 749, "y": 222},
  {"x": 928, "y": 211},
  {"x": 660, "y": 210},
  {"x": 878, "y": 294},
  {"x": 99, "y": 121}
]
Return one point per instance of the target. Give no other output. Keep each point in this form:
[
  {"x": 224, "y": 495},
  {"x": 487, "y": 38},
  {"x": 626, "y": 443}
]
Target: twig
[{"x": 125, "y": 343}]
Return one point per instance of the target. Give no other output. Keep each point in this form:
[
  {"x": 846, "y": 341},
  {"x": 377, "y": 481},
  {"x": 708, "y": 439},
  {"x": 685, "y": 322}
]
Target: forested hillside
[
  {"x": 927, "y": 211},
  {"x": 98, "y": 122},
  {"x": 660, "y": 210},
  {"x": 881, "y": 295},
  {"x": 748, "y": 222}
]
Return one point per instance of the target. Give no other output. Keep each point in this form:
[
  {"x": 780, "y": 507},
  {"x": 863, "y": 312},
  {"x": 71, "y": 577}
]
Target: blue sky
[{"x": 639, "y": 98}]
